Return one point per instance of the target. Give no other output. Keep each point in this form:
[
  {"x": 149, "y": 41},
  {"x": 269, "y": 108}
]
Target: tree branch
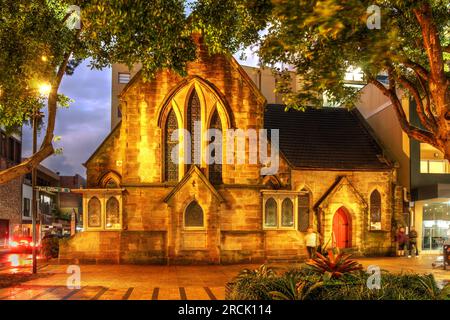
[
  {"x": 411, "y": 131},
  {"x": 417, "y": 68},
  {"x": 431, "y": 42},
  {"x": 428, "y": 121},
  {"x": 46, "y": 148}
]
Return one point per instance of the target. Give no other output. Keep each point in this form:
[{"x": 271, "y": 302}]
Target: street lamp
[{"x": 44, "y": 90}]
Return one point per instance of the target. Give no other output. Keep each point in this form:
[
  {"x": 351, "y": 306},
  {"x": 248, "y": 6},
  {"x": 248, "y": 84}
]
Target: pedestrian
[
  {"x": 401, "y": 239},
  {"x": 413, "y": 242},
  {"x": 311, "y": 242}
]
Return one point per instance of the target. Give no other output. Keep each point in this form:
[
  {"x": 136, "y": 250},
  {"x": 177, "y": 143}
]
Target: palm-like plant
[{"x": 334, "y": 266}]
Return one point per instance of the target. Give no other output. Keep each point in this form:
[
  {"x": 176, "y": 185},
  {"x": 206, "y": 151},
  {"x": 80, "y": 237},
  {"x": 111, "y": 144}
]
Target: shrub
[
  {"x": 333, "y": 266},
  {"x": 305, "y": 284},
  {"x": 50, "y": 247}
]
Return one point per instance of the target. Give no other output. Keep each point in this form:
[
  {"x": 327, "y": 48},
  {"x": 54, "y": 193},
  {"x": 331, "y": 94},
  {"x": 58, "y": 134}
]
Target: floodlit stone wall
[{"x": 154, "y": 230}]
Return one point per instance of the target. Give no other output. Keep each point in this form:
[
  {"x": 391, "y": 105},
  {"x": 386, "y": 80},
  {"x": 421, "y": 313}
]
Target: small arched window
[
  {"x": 112, "y": 213},
  {"x": 94, "y": 213},
  {"x": 193, "y": 217},
  {"x": 170, "y": 166},
  {"x": 304, "y": 202},
  {"x": 375, "y": 210},
  {"x": 287, "y": 213},
  {"x": 270, "y": 218},
  {"x": 215, "y": 168}
]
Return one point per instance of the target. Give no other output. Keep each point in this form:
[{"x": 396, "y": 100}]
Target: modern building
[
  {"x": 11, "y": 192},
  {"x": 146, "y": 202},
  {"x": 423, "y": 171}
]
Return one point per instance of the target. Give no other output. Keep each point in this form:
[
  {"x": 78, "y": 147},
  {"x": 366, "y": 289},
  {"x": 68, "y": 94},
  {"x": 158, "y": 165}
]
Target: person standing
[
  {"x": 413, "y": 242},
  {"x": 401, "y": 239},
  {"x": 311, "y": 242}
]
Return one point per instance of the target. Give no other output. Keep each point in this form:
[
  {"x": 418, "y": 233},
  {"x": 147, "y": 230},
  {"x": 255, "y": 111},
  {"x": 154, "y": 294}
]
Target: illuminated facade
[{"x": 142, "y": 207}]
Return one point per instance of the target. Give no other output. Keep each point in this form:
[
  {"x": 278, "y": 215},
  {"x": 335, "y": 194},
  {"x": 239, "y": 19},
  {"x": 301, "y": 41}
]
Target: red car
[{"x": 21, "y": 244}]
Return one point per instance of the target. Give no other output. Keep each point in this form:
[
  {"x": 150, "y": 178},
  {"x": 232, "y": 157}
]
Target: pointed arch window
[
  {"x": 170, "y": 167},
  {"x": 270, "y": 213},
  {"x": 112, "y": 214},
  {"x": 193, "y": 121},
  {"x": 94, "y": 213},
  {"x": 287, "y": 213},
  {"x": 375, "y": 210},
  {"x": 193, "y": 216},
  {"x": 304, "y": 202},
  {"x": 215, "y": 168}
]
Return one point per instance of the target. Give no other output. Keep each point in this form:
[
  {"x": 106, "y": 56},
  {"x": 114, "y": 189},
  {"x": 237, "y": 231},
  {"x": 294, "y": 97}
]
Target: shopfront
[{"x": 432, "y": 222}]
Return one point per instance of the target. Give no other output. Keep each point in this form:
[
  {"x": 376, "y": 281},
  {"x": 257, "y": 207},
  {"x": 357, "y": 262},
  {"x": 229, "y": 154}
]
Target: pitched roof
[{"x": 325, "y": 138}]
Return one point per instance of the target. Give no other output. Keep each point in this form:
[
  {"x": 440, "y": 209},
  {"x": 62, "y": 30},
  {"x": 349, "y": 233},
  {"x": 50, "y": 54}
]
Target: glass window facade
[{"x": 435, "y": 225}]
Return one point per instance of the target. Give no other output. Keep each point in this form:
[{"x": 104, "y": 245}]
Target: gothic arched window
[
  {"x": 112, "y": 213},
  {"x": 170, "y": 167},
  {"x": 287, "y": 213},
  {"x": 270, "y": 218},
  {"x": 94, "y": 213},
  {"x": 193, "y": 126},
  {"x": 375, "y": 210},
  {"x": 193, "y": 217},
  {"x": 215, "y": 169},
  {"x": 303, "y": 211}
]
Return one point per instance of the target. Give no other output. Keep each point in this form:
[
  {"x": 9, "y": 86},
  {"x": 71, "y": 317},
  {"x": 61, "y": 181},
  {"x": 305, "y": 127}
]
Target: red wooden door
[{"x": 341, "y": 229}]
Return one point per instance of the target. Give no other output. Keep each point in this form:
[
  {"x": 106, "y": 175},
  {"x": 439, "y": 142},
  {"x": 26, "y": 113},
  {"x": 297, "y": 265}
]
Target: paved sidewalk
[{"x": 138, "y": 282}]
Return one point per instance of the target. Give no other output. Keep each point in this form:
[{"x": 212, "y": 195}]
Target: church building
[{"x": 141, "y": 206}]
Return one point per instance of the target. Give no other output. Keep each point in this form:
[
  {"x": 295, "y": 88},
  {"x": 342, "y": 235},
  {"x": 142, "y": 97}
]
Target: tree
[
  {"x": 321, "y": 39},
  {"x": 41, "y": 41}
]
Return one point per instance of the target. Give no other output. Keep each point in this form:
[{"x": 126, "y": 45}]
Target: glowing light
[
  {"x": 44, "y": 58},
  {"x": 44, "y": 89}
]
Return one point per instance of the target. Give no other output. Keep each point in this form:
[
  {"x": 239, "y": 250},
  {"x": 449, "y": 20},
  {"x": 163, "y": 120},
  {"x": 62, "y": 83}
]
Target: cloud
[{"x": 82, "y": 126}]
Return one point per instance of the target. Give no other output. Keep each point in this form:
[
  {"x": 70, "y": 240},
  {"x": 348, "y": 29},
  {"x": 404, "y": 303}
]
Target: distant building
[
  {"x": 72, "y": 202},
  {"x": 11, "y": 192},
  {"x": 423, "y": 171},
  {"x": 48, "y": 211}
]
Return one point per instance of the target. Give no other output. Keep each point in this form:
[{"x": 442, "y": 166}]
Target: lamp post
[
  {"x": 44, "y": 89},
  {"x": 34, "y": 191}
]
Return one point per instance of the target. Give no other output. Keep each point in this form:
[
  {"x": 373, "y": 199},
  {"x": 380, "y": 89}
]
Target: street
[
  {"x": 15, "y": 262},
  {"x": 156, "y": 282}
]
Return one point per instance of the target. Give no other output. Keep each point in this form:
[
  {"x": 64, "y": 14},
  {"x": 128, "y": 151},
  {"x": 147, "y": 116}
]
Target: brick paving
[{"x": 132, "y": 282}]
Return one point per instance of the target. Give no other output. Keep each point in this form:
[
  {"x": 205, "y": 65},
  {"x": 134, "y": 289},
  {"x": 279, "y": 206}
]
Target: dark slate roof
[{"x": 328, "y": 138}]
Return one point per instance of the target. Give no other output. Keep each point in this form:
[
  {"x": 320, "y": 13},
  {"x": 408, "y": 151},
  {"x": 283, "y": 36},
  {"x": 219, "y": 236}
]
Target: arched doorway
[{"x": 342, "y": 229}]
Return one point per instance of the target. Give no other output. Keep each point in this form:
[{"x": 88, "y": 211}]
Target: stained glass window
[
  {"x": 215, "y": 169},
  {"x": 271, "y": 213},
  {"x": 171, "y": 168},
  {"x": 375, "y": 210},
  {"x": 193, "y": 118},
  {"x": 193, "y": 216},
  {"x": 112, "y": 213},
  {"x": 94, "y": 213},
  {"x": 303, "y": 212},
  {"x": 287, "y": 213}
]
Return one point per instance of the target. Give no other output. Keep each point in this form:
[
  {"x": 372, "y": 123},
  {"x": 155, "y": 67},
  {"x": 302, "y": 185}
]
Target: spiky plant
[{"x": 333, "y": 266}]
